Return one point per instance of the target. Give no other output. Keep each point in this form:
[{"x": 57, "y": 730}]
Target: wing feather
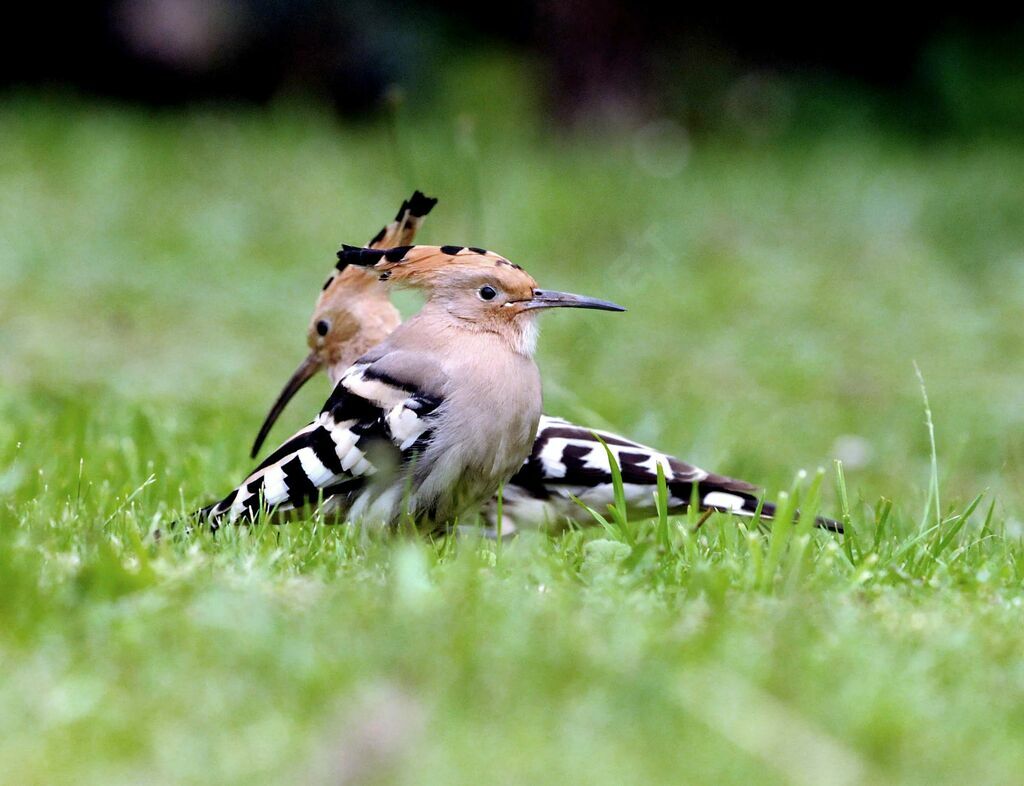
[{"x": 329, "y": 457}]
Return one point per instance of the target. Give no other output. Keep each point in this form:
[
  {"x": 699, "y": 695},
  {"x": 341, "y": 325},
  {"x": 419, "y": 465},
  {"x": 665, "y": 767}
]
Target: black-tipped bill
[
  {"x": 546, "y": 298},
  {"x": 306, "y": 371}
]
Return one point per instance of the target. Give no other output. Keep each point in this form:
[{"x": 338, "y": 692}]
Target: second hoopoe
[
  {"x": 566, "y": 462},
  {"x": 353, "y": 313},
  {"x": 429, "y": 423}
]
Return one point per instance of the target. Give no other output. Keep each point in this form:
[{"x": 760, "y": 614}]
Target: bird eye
[
  {"x": 487, "y": 293},
  {"x": 322, "y": 326}
]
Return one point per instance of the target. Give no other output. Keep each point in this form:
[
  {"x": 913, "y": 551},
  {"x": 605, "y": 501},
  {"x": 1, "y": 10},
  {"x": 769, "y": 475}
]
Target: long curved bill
[
  {"x": 307, "y": 370},
  {"x": 546, "y": 298}
]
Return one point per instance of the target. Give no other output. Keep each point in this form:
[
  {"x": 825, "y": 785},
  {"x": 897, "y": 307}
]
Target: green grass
[{"x": 156, "y": 274}]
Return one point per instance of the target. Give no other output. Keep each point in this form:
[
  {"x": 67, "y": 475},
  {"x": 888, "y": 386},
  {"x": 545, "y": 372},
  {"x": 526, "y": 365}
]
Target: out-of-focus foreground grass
[{"x": 156, "y": 275}]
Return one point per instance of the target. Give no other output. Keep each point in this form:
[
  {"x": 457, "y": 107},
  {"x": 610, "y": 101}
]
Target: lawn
[{"x": 156, "y": 275}]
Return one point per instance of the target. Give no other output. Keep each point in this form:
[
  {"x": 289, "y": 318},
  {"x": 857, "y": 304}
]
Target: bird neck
[{"x": 516, "y": 333}]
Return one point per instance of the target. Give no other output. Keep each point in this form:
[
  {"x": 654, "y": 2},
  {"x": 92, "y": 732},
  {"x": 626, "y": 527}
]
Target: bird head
[
  {"x": 353, "y": 312},
  {"x": 475, "y": 286},
  {"x": 352, "y": 315}
]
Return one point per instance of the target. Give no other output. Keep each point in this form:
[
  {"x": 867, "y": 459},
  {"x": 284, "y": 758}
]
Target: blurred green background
[{"x": 791, "y": 232}]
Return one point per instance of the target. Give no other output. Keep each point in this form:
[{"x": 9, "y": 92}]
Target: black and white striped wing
[
  {"x": 368, "y": 421},
  {"x": 568, "y": 461}
]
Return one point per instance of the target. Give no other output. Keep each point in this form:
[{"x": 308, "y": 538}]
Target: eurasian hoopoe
[
  {"x": 567, "y": 462},
  {"x": 353, "y": 313},
  {"x": 429, "y": 423}
]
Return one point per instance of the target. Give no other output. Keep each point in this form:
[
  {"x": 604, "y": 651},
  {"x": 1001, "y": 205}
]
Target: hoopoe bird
[
  {"x": 429, "y": 423},
  {"x": 353, "y": 313},
  {"x": 567, "y": 462}
]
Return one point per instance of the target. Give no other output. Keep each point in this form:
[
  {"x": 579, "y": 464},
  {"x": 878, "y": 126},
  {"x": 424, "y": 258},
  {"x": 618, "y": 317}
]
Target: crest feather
[{"x": 419, "y": 264}]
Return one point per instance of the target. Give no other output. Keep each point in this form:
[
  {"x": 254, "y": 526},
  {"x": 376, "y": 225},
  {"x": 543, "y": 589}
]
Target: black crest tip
[
  {"x": 419, "y": 204},
  {"x": 397, "y": 253},
  {"x": 355, "y": 255}
]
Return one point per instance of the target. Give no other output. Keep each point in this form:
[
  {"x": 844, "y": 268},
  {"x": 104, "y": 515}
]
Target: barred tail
[
  {"x": 570, "y": 463},
  {"x": 744, "y": 504}
]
